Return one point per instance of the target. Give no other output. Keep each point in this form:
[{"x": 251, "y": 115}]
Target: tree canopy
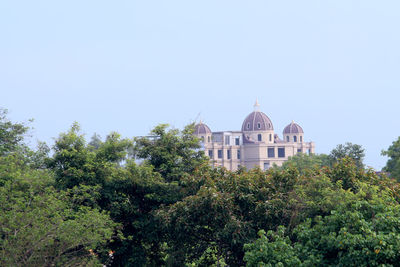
[
  {"x": 155, "y": 201},
  {"x": 393, "y": 164}
]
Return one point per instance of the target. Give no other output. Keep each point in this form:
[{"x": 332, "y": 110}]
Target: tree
[
  {"x": 11, "y": 134},
  {"x": 353, "y": 151},
  {"x": 171, "y": 152},
  {"x": 95, "y": 141},
  {"x": 304, "y": 162},
  {"x": 393, "y": 163},
  {"x": 273, "y": 249},
  {"x": 362, "y": 229},
  {"x": 41, "y": 226},
  {"x": 108, "y": 179}
]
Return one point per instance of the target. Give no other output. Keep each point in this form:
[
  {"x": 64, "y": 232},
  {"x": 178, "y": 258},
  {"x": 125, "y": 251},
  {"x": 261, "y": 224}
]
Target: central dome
[
  {"x": 201, "y": 128},
  {"x": 257, "y": 121}
]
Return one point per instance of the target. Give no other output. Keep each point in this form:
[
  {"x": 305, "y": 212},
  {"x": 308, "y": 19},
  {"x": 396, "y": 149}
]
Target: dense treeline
[{"x": 156, "y": 202}]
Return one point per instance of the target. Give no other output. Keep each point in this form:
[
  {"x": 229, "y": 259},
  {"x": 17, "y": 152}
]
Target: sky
[{"x": 332, "y": 66}]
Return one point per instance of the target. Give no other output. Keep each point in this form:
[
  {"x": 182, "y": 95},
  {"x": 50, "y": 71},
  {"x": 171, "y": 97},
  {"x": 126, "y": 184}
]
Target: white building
[{"x": 255, "y": 145}]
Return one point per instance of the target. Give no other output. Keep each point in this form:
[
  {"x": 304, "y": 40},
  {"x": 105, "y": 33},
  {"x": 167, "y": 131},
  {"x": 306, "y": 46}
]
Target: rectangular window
[
  {"x": 270, "y": 137},
  {"x": 266, "y": 165},
  {"x": 238, "y": 154},
  {"x": 295, "y": 139},
  {"x": 259, "y": 137},
  {"x": 271, "y": 152},
  {"x": 299, "y": 150},
  {"x": 237, "y": 141},
  {"x": 220, "y": 154},
  {"x": 228, "y": 155},
  {"x": 301, "y": 139},
  {"x": 210, "y": 154},
  {"x": 227, "y": 140},
  {"x": 281, "y": 152}
]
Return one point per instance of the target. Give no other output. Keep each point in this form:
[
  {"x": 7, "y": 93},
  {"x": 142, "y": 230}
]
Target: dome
[
  {"x": 293, "y": 128},
  {"x": 257, "y": 121},
  {"x": 201, "y": 128}
]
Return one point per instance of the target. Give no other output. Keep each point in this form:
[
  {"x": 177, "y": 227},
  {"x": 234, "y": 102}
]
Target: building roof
[
  {"x": 293, "y": 128},
  {"x": 257, "y": 121},
  {"x": 201, "y": 128}
]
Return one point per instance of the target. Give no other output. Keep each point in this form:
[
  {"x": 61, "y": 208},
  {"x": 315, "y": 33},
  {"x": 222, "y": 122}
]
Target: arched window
[
  {"x": 301, "y": 139},
  {"x": 259, "y": 125},
  {"x": 270, "y": 137},
  {"x": 202, "y": 139},
  {"x": 287, "y": 138},
  {"x": 209, "y": 138},
  {"x": 294, "y": 138},
  {"x": 259, "y": 137},
  {"x": 248, "y": 125}
]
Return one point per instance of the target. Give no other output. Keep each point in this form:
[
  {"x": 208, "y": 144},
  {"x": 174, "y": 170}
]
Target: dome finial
[{"x": 256, "y": 106}]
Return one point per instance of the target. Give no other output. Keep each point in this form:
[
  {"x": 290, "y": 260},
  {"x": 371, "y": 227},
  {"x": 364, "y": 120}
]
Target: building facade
[{"x": 256, "y": 145}]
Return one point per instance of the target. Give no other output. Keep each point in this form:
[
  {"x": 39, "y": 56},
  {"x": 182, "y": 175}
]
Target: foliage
[
  {"x": 393, "y": 164},
  {"x": 168, "y": 207},
  {"x": 11, "y": 134},
  {"x": 40, "y": 226},
  {"x": 360, "y": 233},
  {"x": 353, "y": 151},
  {"x": 274, "y": 250},
  {"x": 171, "y": 152},
  {"x": 116, "y": 184},
  {"x": 306, "y": 163}
]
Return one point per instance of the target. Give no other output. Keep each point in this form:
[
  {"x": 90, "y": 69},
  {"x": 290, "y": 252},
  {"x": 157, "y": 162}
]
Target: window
[
  {"x": 210, "y": 154},
  {"x": 309, "y": 151},
  {"x": 271, "y": 152},
  {"x": 301, "y": 139},
  {"x": 202, "y": 139},
  {"x": 209, "y": 139},
  {"x": 294, "y": 138},
  {"x": 266, "y": 165},
  {"x": 248, "y": 125},
  {"x": 228, "y": 155},
  {"x": 259, "y": 137},
  {"x": 238, "y": 154},
  {"x": 270, "y": 137},
  {"x": 259, "y": 125},
  {"x": 287, "y": 138},
  {"x": 227, "y": 140},
  {"x": 220, "y": 154},
  {"x": 281, "y": 152},
  {"x": 237, "y": 141},
  {"x": 298, "y": 150}
]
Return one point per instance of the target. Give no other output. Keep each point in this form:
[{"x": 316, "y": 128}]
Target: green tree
[
  {"x": 226, "y": 212},
  {"x": 171, "y": 152},
  {"x": 304, "y": 162},
  {"x": 393, "y": 163},
  {"x": 41, "y": 226},
  {"x": 346, "y": 216},
  {"x": 11, "y": 134},
  {"x": 273, "y": 249},
  {"x": 353, "y": 151},
  {"x": 107, "y": 178},
  {"x": 95, "y": 141}
]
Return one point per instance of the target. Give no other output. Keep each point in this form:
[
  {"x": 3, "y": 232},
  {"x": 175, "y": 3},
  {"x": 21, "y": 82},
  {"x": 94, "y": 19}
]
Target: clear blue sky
[{"x": 333, "y": 66}]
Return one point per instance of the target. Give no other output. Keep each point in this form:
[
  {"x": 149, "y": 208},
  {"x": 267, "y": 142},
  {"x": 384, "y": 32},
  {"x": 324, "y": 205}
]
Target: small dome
[
  {"x": 257, "y": 121},
  {"x": 293, "y": 128},
  {"x": 201, "y": 128}
]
